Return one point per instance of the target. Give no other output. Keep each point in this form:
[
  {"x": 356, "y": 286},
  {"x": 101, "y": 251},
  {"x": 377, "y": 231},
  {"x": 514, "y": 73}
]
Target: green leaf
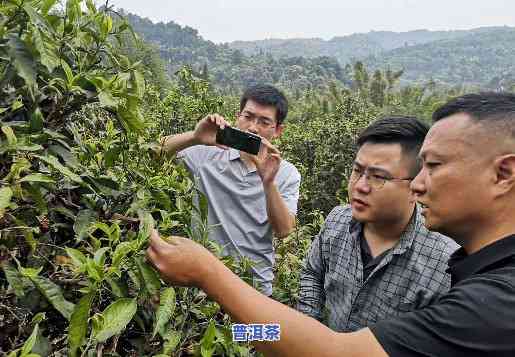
[
  {"x": 30, "y": 272},
  {"x": 68, "y": 71},
  {"x": 131, "y": 117},
  {"x": 149, "y": 276},
  {"x": 14, "y": 278},
  {"x": 115, "y": 318},
  {"x": 91, "y": 6},
  {"x": 85, "y": 219},
  {"x": 35, "y": 18},
  {"x": 94, "y": 270},
  {"x": 146, "y": 224},
  {"x": 22, "y": 60},
  {"x": 100, "y": 256},
  {"x": 118, "y": 288},
  {"x": 53, "y": 294},
  {"x": 165, "y": 310},
  {"x": 172, "y": 339},
  {"x": 79, "y": 323},
  {"x": 27, "y": 346},
  {"x": 103, "y": 227},
  {"x": 37, "y": 177},
  {"x": 111, "y": 156},
  {"x": 29, "y": 238},
  {"x": 106, "y": 25},
  {"x": 207, "y": 342},
  {"x": 78, "y": 259},
  {"x": 5, "y": 198},
  {"x": 203, "y": 204},
  {"x": 107, "y": 100},
  {"x": 9, "y": 134},
  {"x": 46, "y": 5},
  {"x": 38, "y": 318},
  {"x": 36, "y": 120},
  {"x": 73, "y": 10},
  {"x": 54, "y": 162},
  {"x": 138, "y": 83},
  {"x": 46, "y": 50},
  {"x": 17, "y": 104},
  {"x": 121, "y": 252},
  {"x": 18, "y": 166}
]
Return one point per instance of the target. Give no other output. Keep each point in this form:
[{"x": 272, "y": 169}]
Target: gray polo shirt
[{"x": 237, "y": 204}]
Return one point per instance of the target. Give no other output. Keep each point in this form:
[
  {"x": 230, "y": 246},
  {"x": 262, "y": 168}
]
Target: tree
[{"x": 377, "y": 89}]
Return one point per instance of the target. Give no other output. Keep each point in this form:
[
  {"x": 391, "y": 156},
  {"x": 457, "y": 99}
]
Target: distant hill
[
  {"x": 230, "y": 68},
  {"x": 484, "y": 58},
  {"x": 352, "y": 47},
  {"x": 479, "y": 57}
]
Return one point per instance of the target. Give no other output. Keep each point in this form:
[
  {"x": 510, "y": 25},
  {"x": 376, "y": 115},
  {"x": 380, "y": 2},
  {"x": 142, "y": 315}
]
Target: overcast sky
[{"x": 230, "y": 20}]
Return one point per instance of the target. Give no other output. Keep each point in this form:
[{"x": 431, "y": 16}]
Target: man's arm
[
  {"x": 267, "y": 164},
  {"x": 184, "y": 262},
  {"x": 280, "y": 218},
  {"x": 204, "y": 134},
  {"x": 311, "y": 291},
  {"x": 175, "y": 143}
]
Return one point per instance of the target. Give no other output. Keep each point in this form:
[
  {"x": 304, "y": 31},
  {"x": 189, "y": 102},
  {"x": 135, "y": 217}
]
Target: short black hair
[
  {"x": 409, "y": 132},
  {"x": 265, "y": 94},
  {"x": 494, "y": 108}
]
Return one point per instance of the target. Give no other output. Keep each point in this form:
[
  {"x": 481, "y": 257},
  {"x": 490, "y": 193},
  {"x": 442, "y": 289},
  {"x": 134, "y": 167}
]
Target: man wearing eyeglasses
[
  {"x": 374, "y": 258},
  {"x": 250, "y": 197}
]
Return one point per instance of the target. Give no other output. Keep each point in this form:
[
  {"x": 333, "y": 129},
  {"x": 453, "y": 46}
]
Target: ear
[
  {"x": 505, "y": 173},
  {"x": 278, "y": 131}
]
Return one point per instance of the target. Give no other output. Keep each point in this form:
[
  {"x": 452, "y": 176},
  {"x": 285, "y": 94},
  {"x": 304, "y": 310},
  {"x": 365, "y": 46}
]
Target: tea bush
[{"x": 80, "y": 192}]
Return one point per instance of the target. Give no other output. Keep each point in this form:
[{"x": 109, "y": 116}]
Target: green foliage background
[{"x": 83, "y": 103}]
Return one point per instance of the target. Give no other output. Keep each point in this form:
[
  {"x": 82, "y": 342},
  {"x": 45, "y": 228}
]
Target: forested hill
[
  {"x": 353, "y": 47},
  {"x": 229, "y": 68},
  {"x": 485, "y": 59},
  {"x": 479, "y": 57}
]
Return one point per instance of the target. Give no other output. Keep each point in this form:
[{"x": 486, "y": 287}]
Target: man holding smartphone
[{"x": 250, "y": 197}]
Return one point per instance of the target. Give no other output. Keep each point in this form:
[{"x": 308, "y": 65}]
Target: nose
[
  {"x": 253, "y": 127},
  {"x": 418, "y": 185},
  {"x": 361, "y": 184}
]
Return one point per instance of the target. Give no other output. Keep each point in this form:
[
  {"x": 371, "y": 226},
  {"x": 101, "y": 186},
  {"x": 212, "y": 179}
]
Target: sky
[{"x": 230, "y": 20}]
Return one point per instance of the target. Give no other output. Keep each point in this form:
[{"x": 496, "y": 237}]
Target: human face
[
  {"x": 393, "y": 201},
  {"x": 452, "y": 186},
  {"x": 259, "y": 119}
]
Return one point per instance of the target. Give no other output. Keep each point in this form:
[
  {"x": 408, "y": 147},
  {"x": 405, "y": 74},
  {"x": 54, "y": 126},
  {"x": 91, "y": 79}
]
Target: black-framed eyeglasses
[
  {"x": 263, "y": 122},
  {"x": 375, "y": 180}
]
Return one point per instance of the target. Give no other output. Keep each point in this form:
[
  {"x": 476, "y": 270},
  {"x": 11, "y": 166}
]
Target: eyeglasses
[
  {"x": 374, "y": 180},
  {"x": 262, "y": 122}
]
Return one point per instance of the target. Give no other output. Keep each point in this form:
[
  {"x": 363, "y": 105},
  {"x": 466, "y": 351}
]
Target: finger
[
  {"x": 225, "y": 122},
  {"x": 254, "y": 158},
  {"x": 155, "y": 240},
  {"x": 152, "y": 255},
  {"x": 269, "y": 146}
]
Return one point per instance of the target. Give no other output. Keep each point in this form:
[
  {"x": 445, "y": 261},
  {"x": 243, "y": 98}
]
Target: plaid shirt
[{"x": 411, "y": 276}]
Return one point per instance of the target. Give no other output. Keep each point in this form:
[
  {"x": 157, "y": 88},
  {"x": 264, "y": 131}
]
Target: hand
[
  {"x": 267, "y": 161},
  {"x": 205, "y": 131},
  {"x": 180, "y": 261}
]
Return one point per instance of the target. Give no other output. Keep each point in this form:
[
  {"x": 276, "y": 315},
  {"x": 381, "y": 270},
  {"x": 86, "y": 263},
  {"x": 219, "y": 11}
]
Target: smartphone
[{"x": 238, "y": 139}]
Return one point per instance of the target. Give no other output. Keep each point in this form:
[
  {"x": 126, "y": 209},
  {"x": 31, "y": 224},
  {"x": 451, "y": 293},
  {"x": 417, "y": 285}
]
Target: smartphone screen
[{"x": 239, "y": 140}]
